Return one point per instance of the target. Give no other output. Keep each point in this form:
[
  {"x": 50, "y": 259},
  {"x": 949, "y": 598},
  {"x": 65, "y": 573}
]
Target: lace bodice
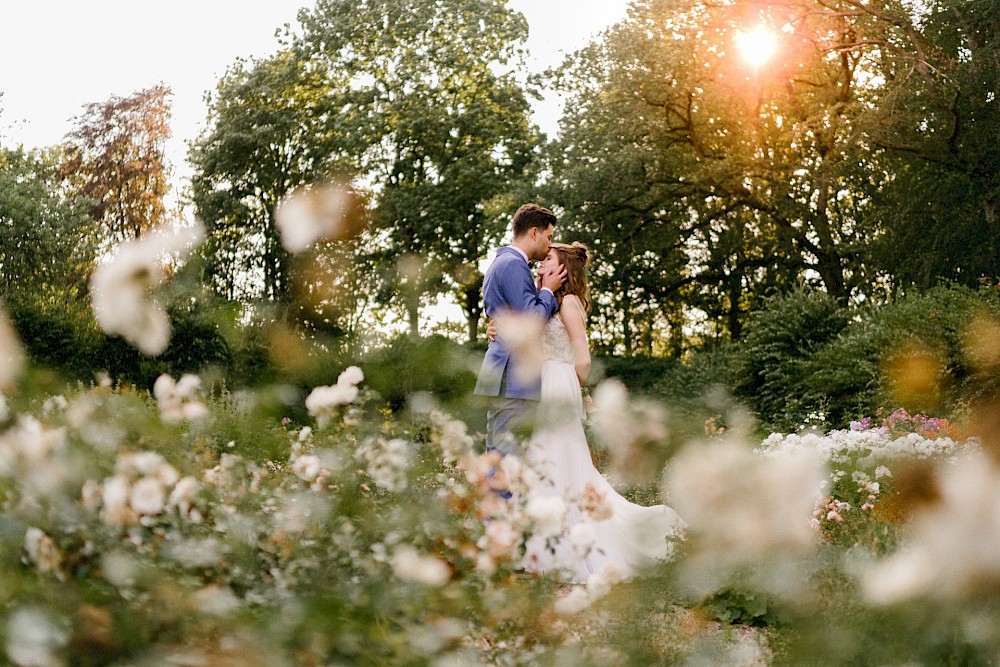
[{"x": 555, "y": 341}]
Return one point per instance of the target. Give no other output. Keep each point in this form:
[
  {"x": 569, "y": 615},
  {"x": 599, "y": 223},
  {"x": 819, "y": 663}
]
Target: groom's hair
[{"x": 532, "y": 215}]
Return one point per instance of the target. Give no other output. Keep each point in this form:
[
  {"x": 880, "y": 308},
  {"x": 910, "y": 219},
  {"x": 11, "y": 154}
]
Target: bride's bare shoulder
[{"x": 575, "y": 306}]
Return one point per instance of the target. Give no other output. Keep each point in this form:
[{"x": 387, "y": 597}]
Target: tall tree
[
  {"x": 421, "y": 102},
  {"x": 274, "y": 124},
  {"x": 759, "y": 173},
  {"x": 449, "y": 126},
  {"x": 46, "y": 238},
  {"x": 939, "y": 125},
  {"x": 115, "y": 158}
]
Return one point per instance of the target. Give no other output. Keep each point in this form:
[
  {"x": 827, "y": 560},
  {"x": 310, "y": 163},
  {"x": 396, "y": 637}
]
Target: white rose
[
  {"x": 548, "y": 513},
  {"x": 351, "y": 375},
  {"x": 408, "y": 565},
  {"x": 147, "y": 496},
  {"x": 307, "y": 467},
  {"x": 582, "y": 536},
  {"x": 182, "y": 497},
  {"x": 33, "y": 639}
]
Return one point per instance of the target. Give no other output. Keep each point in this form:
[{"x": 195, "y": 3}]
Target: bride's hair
[{"x": 575, "y": 257}]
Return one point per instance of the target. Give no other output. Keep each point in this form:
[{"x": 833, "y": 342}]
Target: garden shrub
[
  {"x": 808, "y": 362},
  {"x": 774, "y": 366},
  {"x": 56, "y": 332},
  {"x": 436, "y": 365},
  {"x": 641, "y": 374}
]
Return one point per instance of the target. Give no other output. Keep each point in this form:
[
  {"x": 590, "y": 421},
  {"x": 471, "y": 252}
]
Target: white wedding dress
[{"x": 634, "y": 537}]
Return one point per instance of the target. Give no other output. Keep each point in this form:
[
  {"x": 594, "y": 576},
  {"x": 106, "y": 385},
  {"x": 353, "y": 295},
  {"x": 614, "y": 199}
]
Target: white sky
[{"x": 58, "y": 55}]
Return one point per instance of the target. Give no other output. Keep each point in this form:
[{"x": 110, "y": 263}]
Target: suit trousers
[{"x": 505, "y": 416}]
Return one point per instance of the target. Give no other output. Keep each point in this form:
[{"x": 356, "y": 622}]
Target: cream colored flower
[
  {"x": 307, "y": 467},
  {"x": 582, "y": 536},
  {"x": 950, "y": 550},
  {"x": 34, "y": 639},
  {"x": 629, "y": 427},
  {"x": 42, "y": 551},
  {"x": 595, "y": 502},
  {"x": 521, "y": 333},
  {"x": 183, "y": 494},
  {"x": 315, "y": 213},
  {"x": 119, "y": 289},
  {"x": 743, "y": 510},
  {"x": 548, "y": 514},
  {"x": 428, "y": 570},
  {"x": 388, "y": 461},
  {"x": 323, "y": 402},
  {"x": 148, "y": 496},
  {"x": 502, "y": 540},
  {"x": 573, "y": 602},
  {"x": 452, "y": 435},
  {"x": 351, "y": 375},
  {"x": 179, "y": 401}
]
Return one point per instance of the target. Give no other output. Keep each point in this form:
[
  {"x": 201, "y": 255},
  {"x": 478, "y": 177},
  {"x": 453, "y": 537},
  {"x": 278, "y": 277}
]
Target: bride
[{"x": 633, "y": 537}]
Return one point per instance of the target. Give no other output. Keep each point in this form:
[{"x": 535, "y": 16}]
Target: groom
[{"x": 509, "y": 288}]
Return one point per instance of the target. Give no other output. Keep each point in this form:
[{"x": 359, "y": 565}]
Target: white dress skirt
[{"x": 634, "y": 537}]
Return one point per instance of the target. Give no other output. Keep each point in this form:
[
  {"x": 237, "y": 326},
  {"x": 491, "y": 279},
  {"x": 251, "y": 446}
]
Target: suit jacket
[{"x": 508, "y": 285}]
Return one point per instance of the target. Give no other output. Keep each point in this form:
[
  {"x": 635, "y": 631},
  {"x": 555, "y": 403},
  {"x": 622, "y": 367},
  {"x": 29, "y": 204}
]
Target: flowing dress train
[{"x": 634, "y": 537}]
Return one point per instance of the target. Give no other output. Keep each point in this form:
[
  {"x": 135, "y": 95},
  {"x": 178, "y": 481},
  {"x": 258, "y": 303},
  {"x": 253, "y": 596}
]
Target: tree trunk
[
  {"x": 471, "y": 299},
  {"x": 734, "y": 323},
  {"x": 829, "y": 266},
  {"x": 413, "y": 314}
]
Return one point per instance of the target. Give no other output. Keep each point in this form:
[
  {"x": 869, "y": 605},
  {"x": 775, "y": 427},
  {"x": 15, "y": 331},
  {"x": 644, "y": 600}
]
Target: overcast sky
[{"x": 57, "y": 55}]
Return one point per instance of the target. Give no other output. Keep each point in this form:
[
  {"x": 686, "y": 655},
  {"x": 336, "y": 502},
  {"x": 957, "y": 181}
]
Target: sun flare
[{"x": 758, "y": 45}]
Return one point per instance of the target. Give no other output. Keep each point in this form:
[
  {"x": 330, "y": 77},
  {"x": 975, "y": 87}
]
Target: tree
[
  {"x": 115, "y": 159},
  {"x": 46, "y": 238},
  {"x": 449, "y": 129},
  {"x": 758, "y": 176},
  {"x": 274, "y": 125},
  {"x": 427, "y": 113},
  {"x": 939, "y": 126}
]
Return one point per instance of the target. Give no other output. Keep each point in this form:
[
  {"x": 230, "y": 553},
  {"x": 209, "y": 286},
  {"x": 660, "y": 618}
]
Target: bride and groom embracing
[{"x": 542, "y": 392}]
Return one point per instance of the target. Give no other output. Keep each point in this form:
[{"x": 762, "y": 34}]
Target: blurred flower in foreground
[
  {"x": 743, "y": 511},
  {"x": 321, "y": 212},
  {"x": 322, "y": 402},
  {"x": 119, "y": 289},
  {"x": 409, "y": 565},
  {"x": 42, "y": 552},
  {"x": 11, "y": 353},
  {"x": 34, "y": 640},
  {"x": 452, "y": 435},
  {"x": 388, "y": 461},
  {"x": 522, "y": 335},
  {"x": 178, "y": 400},
  {"x": 581, "y": 597},
  {"x": 951, "y": 552},
  {"x": 634, "y": 431}
]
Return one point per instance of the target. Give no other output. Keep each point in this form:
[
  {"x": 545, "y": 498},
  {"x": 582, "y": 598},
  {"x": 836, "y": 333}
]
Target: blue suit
[{"x": 508, "y": 286}]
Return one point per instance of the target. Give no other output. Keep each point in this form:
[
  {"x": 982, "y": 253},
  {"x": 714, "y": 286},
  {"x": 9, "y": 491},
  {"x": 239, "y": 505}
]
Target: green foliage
[
  {"x": 434, "y": 365},
  {"x": 743, "y": 606},
  {"x": 775, "y": 368},
  {"x": 639, "y": 373},
  {"x": 807, "y": 361},
  {"x": 431, "y": 117},
  {"x": 61, "y": 334},
  {"x": 46, "y": 239}
]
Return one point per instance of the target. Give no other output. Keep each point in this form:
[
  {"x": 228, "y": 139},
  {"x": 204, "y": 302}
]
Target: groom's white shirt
[{"x": 525, "y": 256}]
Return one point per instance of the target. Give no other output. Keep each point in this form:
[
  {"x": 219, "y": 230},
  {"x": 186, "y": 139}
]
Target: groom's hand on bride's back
[{"x": 555, "y": 278}]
